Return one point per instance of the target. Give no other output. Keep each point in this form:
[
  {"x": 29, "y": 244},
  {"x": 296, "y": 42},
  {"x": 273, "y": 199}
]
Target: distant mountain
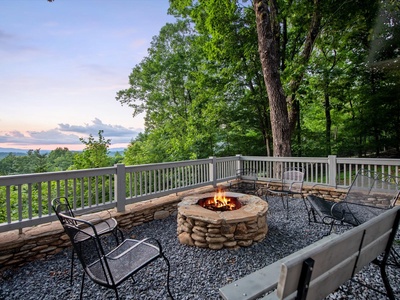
[
  {"x": 17, "y": 150},
  {"x": 13, "y": 150},
  {"x": 120, "y": 150},
  {"x": 21, "y": 152}
]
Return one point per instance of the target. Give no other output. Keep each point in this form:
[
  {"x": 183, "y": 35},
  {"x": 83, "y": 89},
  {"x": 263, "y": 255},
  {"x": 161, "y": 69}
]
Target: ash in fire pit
[{"x": 222, "y": 228}]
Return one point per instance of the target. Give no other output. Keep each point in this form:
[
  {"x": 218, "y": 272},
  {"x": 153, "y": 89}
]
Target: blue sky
[{"x": 62, "y": 63}]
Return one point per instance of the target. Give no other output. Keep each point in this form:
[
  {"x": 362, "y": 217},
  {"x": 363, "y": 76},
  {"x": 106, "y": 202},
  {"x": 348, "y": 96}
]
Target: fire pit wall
[{"x": 201, "y": 227}]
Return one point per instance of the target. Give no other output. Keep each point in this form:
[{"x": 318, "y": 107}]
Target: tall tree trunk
[
  {"x": 328, "y": 123},
  {"x": 295, "y": 82},
  {"x": 268, "y": 47}
]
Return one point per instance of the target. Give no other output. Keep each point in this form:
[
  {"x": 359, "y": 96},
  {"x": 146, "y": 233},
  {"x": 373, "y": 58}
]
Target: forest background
[{"x": 203, "y": 86}]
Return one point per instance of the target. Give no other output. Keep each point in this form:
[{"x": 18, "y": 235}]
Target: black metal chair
[
  {"x": 370, "y": 194},
  {"x": 290, "y": 185},
  {"x": 103, "y": 227},
  {"x": 114, "y": 267},
  {"x": 246, "y": 181}
]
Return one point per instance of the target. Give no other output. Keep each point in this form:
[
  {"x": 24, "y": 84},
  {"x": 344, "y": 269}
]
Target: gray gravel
[{"x": 195, "y": 273}]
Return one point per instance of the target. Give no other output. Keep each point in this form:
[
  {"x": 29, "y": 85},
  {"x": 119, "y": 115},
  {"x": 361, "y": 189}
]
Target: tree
[
  {"x": 195, "y": 107},
  {"x": 271, "y": 41},
  {"x": 8, "y": 164},
  {"x": 60, "y": 159},
  {"x": 38, "y": 162},
  {"x": 95, "y": 154},
  {"x": 230, "y": 72}
]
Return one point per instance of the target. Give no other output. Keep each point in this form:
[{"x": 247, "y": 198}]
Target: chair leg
[
  {"x": 72, "y": 266},
  {"x": 168, "y": 275},
  {"x": 83, "y": 282},
  {"x": 395, "y": 256},
  {"x": 287, "y": 206},
  {"x": 116, "y": 293},
  {"x": 389, "y": 290},
  {"x": 115, "y": 234},
  {"x": 285, "y": 198},
  {"x": 331, "y": 227},
  {"x": 121, "y": 234},
  {"x": 283, "y": 201}
]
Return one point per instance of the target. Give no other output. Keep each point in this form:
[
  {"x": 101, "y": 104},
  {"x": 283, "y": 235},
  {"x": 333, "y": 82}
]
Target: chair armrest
[
  {"x": 124, "y": 252},
  {"x": 322, "y": 206},
  {"x": 94, "y": 215}
]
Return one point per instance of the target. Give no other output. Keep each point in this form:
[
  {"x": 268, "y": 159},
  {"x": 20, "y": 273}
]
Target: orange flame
[
  {"x": 220, "y": 202},
  {"x": 220, "y": 199}
]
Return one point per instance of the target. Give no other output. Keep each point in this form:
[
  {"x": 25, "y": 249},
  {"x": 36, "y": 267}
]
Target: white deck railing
[{"x": 25, "y": 200}]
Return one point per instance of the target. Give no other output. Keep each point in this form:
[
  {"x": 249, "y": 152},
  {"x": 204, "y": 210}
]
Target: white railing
[{"x": 25, "y": 200}]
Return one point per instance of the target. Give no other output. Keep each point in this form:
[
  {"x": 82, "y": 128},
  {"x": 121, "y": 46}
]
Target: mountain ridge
[{"x": 18, "y": 150}]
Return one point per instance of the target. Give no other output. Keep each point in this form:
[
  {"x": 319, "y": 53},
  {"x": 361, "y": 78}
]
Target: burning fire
[{"x": 220, "y": 202}]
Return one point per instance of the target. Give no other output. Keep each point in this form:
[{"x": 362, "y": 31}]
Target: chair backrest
[
  {"x": 374, "y": 189},
  {"x": 246, "y": 174},
  {"x": 61, "y": 206},
  {"x": 89, "y": 249},
  {"x": 292, "y": 180}
]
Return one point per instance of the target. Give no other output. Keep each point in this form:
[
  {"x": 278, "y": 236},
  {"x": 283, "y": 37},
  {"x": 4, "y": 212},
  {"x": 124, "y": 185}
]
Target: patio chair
[
  {"x": 103, "y": 227},
  {"x": 369, "y": 195},
  {"x": 289, "y": 186},
  {"x": 246, "y": 181},
  {"x": 110, "y": 269}
]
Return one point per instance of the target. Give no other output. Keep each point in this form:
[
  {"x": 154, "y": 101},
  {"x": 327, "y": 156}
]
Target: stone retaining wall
[
  {"x": 45, "y": 240},
  {"x": 40, "y": 242}
]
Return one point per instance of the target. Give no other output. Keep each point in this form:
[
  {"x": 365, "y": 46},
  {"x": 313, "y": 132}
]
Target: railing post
[
  {"x": 332, "y": 170},
  {"x": 119, "y": 187},
  {"x": 239, "y": 162},
  {"x": 213, "y": 170}
]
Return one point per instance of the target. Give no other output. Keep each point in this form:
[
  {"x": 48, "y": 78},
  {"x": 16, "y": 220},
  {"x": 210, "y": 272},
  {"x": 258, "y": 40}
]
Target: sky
[{"x": 62, "y": 63}]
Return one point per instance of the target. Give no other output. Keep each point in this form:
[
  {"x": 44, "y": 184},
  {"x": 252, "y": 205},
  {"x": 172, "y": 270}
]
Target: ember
[{"x": 220, "y": 202}]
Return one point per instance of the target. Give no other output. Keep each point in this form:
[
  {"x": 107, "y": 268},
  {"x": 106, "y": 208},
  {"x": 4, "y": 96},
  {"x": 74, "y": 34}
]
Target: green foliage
[
  {"x": 32, "y": 162},
  {"x": 197, "y": 101},
  {"x": 95, "y": 154},
  {"x": 60, "y": 159},
  {"x": 349, "y": 80},
  {"x": 349, "y": 107}
]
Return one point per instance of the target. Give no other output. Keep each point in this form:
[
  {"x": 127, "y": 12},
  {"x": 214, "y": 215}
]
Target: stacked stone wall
[{"x": 43, "y": 241}]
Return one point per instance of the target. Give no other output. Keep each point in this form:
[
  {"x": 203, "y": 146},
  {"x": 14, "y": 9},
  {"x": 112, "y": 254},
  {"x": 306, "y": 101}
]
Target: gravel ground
[{"x": 195, "y": 273}]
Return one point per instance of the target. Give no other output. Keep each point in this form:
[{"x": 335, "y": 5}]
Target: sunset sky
[{"x": 62, "y": 63}]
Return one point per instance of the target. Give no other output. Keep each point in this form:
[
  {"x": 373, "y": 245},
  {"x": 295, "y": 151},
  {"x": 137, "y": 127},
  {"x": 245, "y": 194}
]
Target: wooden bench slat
[
  {"x": 343, "y": 248},
  {"x": 259, "y": 282},
  {"x": 331, "y": 280},
  {"x": 337, "y": 258},
  {"x": 369, "y": 252},
  {"x": 331, "y": 269}
]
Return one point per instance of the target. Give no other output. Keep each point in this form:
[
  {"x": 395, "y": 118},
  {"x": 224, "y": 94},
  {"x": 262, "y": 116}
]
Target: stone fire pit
[{"x": 201, "y": 227}]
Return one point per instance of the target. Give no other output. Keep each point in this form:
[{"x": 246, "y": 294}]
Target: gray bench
[{"x": 319, "y": 269}]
